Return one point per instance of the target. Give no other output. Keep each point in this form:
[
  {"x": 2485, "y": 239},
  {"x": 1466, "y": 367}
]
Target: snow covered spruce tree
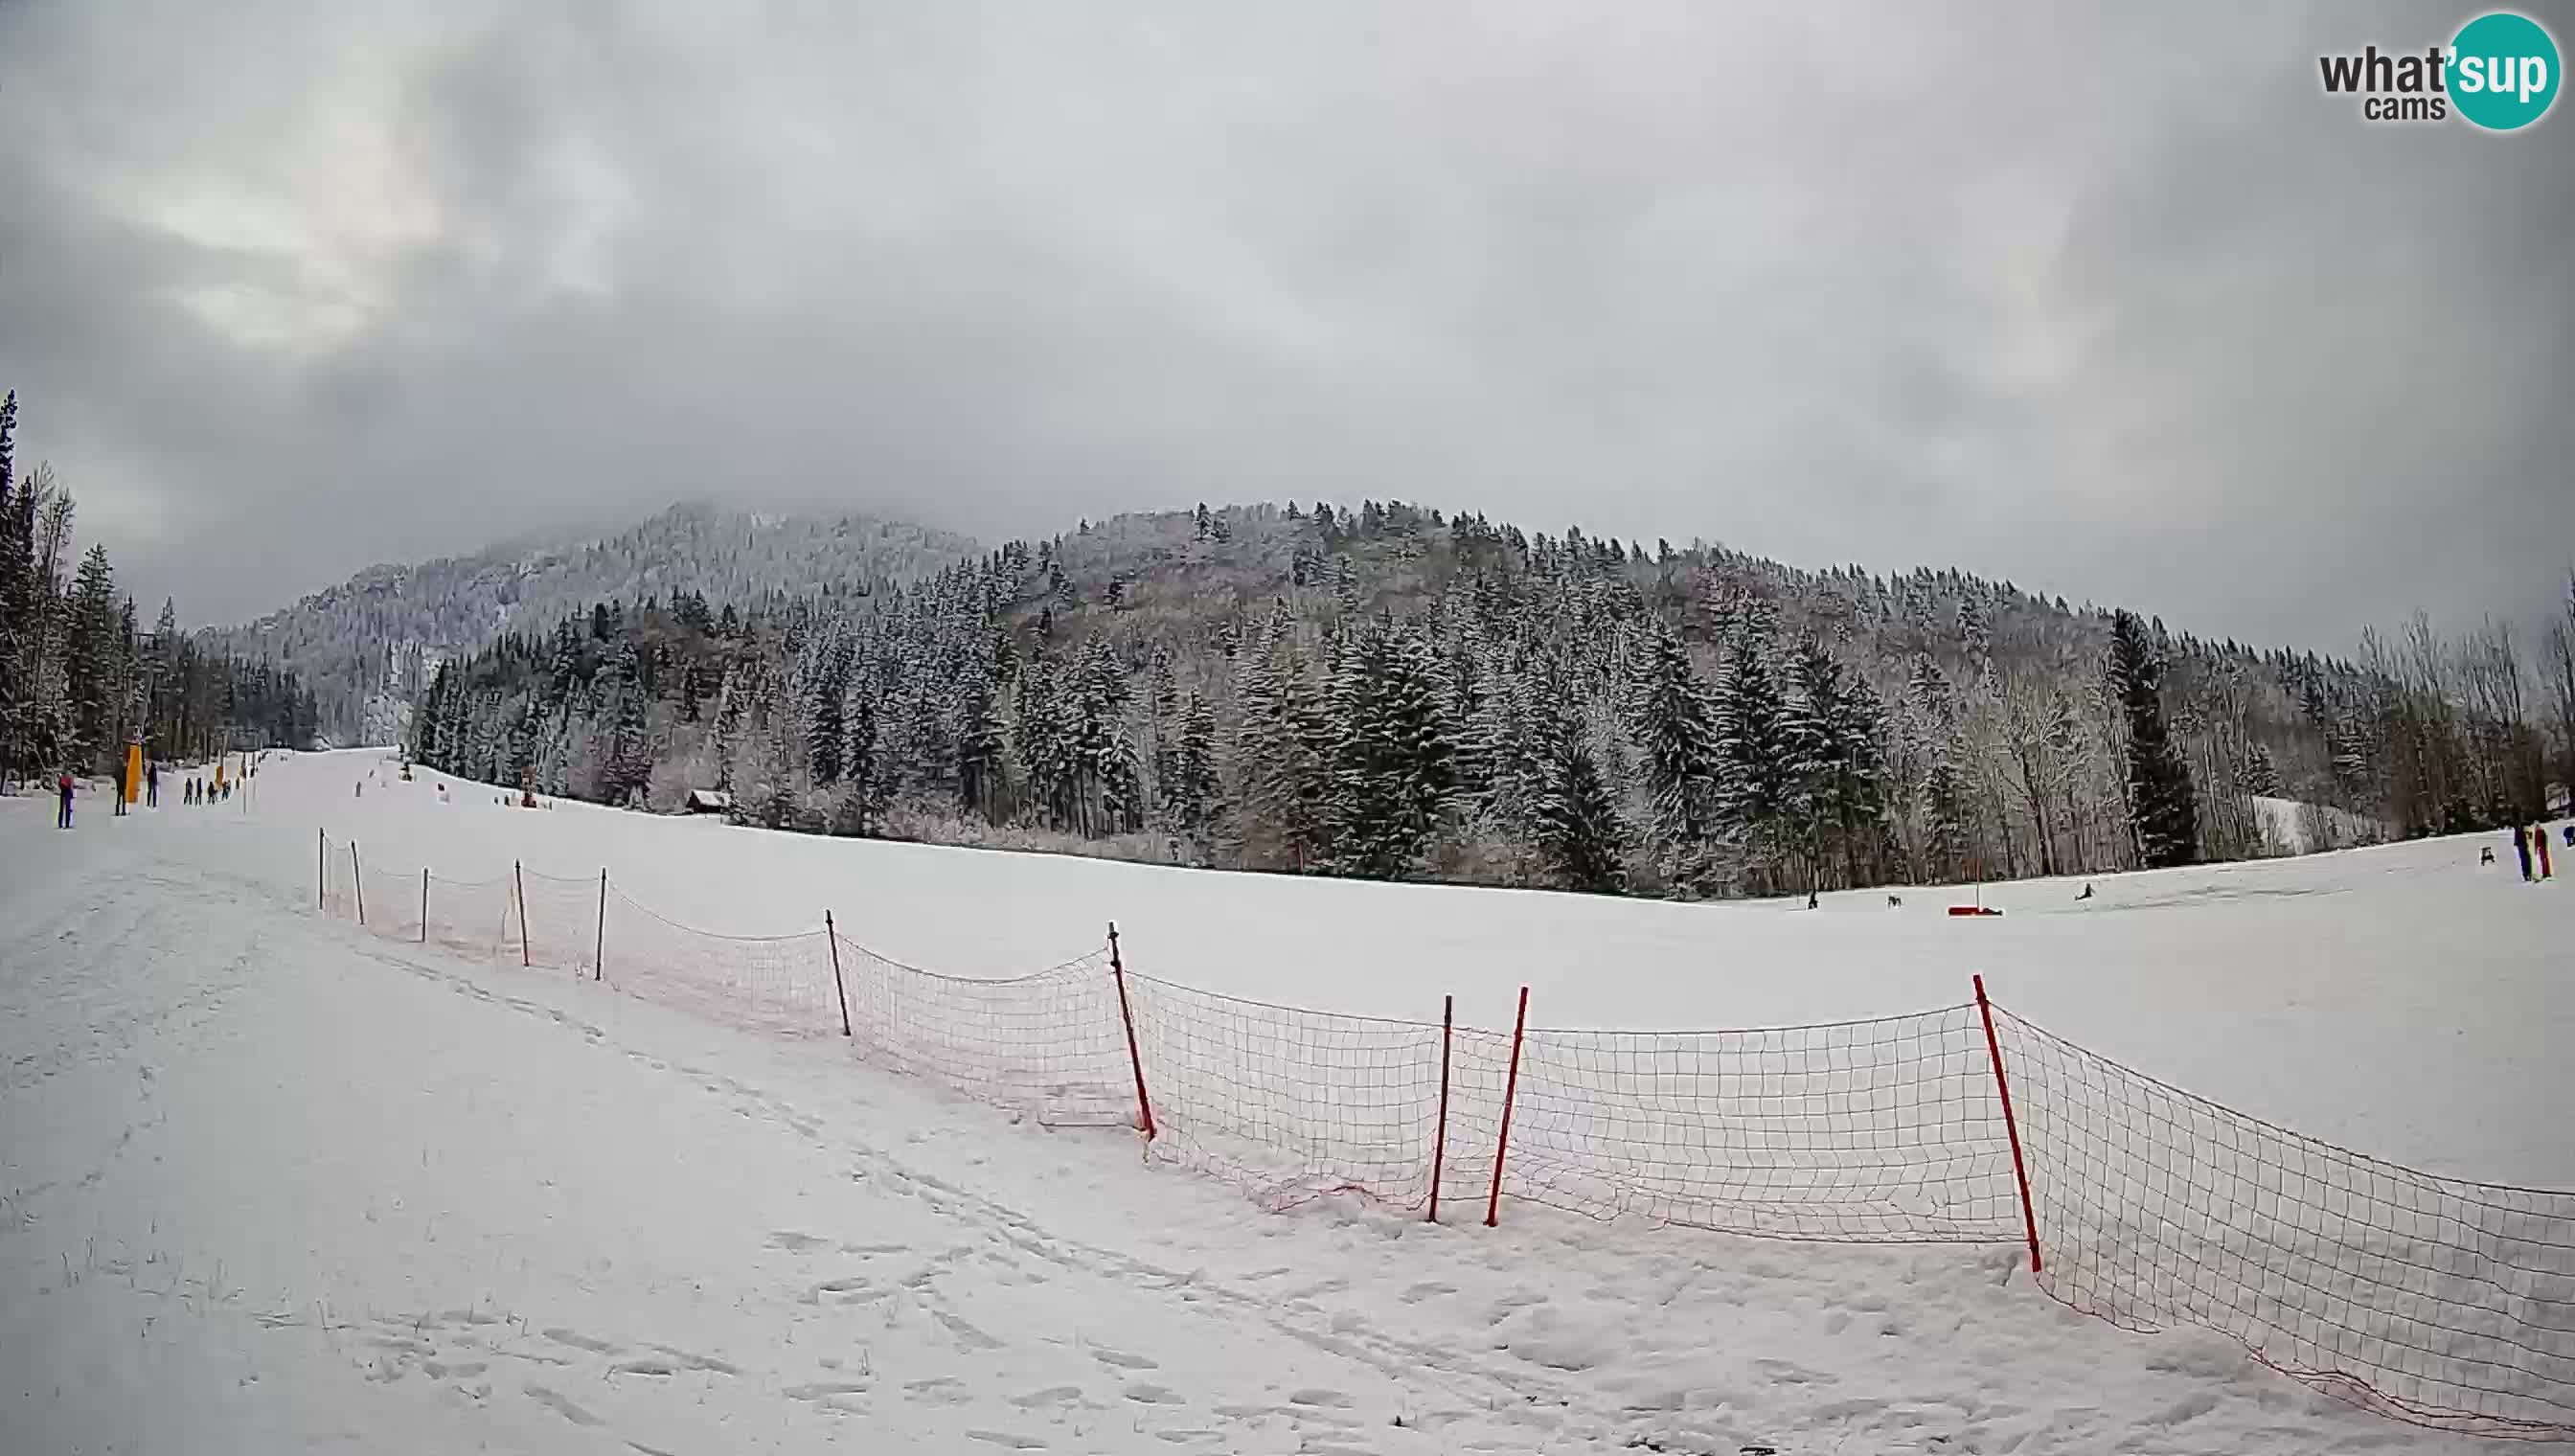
[
  {"x": 1391, "y": 767},
  {"x": 1573, "y": 825},
  {"x": 1764, "y": 796},
  {"x": 2159, "y": 790},
  {"x": 1831, "y": 728},
  {"x": 1675, "y": 726}
]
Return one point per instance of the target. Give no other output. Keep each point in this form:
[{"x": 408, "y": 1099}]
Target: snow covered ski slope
[{"x": 274, "y": 1184}]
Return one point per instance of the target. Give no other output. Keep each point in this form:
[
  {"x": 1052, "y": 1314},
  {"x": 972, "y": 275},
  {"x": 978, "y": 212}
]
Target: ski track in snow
[{"x": 270, "y": 1185}]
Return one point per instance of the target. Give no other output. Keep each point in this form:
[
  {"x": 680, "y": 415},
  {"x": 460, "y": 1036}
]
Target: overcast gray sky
[{"x": 2111, "y": 301}]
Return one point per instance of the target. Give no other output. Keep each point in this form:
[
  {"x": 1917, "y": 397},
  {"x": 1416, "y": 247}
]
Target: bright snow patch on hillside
[
  {"x": 272, "y": 1185},
  {"x": 2307, "y": 828}
]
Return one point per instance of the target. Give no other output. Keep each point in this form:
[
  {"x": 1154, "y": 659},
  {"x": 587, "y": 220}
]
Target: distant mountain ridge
[{"x": 367, "y": 646}]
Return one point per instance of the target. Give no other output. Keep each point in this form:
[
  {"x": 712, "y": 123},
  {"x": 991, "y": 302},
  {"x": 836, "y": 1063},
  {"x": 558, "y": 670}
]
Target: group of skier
[
  {"x": 198, "y": 791},
  {"x": 2531, "y": 843}
]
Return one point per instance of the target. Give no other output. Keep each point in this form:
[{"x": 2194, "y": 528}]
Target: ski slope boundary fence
[{"x": 2437, "y": 1301}]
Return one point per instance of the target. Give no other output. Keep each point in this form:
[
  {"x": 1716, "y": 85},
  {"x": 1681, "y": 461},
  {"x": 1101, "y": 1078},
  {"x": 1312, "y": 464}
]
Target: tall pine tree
[{"x": 2159, "y": 787}]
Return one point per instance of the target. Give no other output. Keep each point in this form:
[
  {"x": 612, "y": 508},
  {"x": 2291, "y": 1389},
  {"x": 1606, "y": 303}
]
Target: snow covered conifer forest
[
  {"x": 79, "y": 680},
  {"x": 1397, "y": 694}
]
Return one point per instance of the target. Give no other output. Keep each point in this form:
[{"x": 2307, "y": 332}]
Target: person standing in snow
[
  {"x": 64, "y": 784},
  {"x": 2521, "y": 846},
  {"x": 152, "y": 786},
  {"x": 2539, "y": 842}
]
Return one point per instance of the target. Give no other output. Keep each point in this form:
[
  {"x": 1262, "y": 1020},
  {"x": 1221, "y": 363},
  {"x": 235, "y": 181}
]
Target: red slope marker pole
[
  {"x": 519, "y": 877},
  {"x": 2021, "y": 1170},
  {"x": 1439, "y": 1140},
  {"x": 424, "y": 904},
  {"x": 1135, "y": 1056},
  {"x": 1511, "y": 1093},
  {"x": 832, "y": 934},
  {"x": 599, "y": 941},
  {"x": 358, "y": 881}
]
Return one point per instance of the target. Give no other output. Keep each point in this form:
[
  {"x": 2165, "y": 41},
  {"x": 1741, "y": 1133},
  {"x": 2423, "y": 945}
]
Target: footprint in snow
[
  {"x": 1332, "y": 1399},
  {"x": 699, "y": 1362},
  {"x": 966, "y": 1334},
  {"x": 802, "y": 1244},
  {"x": 1125, "y": 1361},
  {"x": 1143, "y": 1394},
  {"x": 560, "y": 1406},
  {"x": 580, "y": 1341},
  {"x": 1005, "y": 1438},
  {"x": 824, "y": 1389},
  {"x": 1052, "y": 1395}
]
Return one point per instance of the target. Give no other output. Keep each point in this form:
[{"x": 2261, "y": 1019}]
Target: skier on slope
[
  {"x": 152, "y": 784},
  {"x": 2539, "y": 842},
  {"x": 2521, "y": 846},
  {"x": 64, "y": 784}
]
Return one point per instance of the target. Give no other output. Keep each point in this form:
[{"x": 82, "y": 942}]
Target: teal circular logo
[{"x": 2503, "y": 71}]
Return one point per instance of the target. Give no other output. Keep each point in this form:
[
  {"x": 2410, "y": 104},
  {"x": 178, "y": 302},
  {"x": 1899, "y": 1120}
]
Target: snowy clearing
[{"x": 273, "y": 1184}]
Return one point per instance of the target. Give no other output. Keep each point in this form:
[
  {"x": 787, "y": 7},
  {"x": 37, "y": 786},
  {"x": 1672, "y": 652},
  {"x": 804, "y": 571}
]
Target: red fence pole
[
  {"x": 2021, "y": 1170},
  {"x": 1439, "y": 1140},
  {"x": 358, "y": 881},
  {"x": 1511, "y": 1093},
  {"x": 832, "y": 934},
  {"x": 599, "y": 944},
  {"x": 424, "y": 904},
  {"x": 519, "y": 877},
  {"x": 1134, "y": 1057}
]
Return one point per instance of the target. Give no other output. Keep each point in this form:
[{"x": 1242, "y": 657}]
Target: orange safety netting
[{"x": 2432, "y": 1300}]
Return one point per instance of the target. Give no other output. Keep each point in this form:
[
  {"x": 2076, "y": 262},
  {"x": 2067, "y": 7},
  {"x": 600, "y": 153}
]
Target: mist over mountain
[{"x": 365, "y": 646}]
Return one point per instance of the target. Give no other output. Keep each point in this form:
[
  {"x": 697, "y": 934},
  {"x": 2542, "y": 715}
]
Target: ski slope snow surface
[{"x": 272, "y": 1185}]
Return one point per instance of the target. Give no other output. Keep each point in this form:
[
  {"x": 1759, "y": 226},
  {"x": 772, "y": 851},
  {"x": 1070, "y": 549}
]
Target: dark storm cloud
[{"x": 2113, "y": 303}]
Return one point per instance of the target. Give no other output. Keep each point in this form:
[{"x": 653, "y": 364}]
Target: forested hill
[
  {"x": 363, "y": 646},
  {"x": 1394, "y": 693}
]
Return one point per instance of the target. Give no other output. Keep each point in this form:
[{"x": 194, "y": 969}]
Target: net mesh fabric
[
  {"x": 2432, "y": 1299},
  {"x": 1290, "y": 1103},
  {"x": 771, "y": 982},
  {"x": 1049, "y": 1046},
  {"x": 1885, "y": 1130},
  {"x": 551, "y": 924}
]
